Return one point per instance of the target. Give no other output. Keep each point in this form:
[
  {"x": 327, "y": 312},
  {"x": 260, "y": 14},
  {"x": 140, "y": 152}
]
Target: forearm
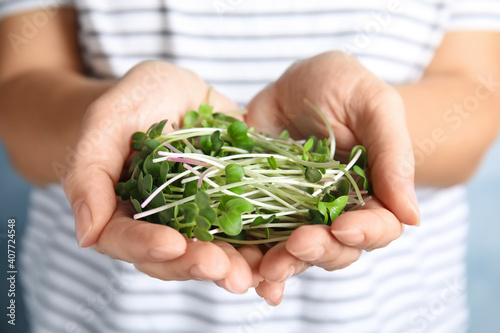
[
  {"x": 452, "y": 120},
  {"x": 40, "y": 116}
]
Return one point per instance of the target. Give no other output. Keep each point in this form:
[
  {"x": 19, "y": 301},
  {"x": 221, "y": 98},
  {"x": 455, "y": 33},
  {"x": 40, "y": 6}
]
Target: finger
[
  {"x": 315, "y": 245},
  {"x": 368, "y": 228},
  {"x": 264, "y": 113},
  {"x": 390, "y": 160},
  {"x": 253, "y": 256},
  {"x": 136, "y": 241},
  {"x": 271, "y": 292},
  {"x": 278, "y": 265},
  {"x": 239, "y": 277},
  {"x": 202, "y": 261},
  {"x": 96, "y": 165},
  {"x": 220, "y": 102}
]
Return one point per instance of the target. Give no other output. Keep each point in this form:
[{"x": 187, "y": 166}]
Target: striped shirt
[{"x": 417, "y": 284}]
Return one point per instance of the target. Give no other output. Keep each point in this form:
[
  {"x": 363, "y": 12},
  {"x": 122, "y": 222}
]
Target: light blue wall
[
  {"x": 484, "y": 246},
  {"x": 483, "y": 257},
  {"x": 13, "y": 196}
]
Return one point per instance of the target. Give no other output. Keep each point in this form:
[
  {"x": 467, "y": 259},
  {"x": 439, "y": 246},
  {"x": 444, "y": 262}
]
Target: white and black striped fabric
[{"x": 417, "y": 284}]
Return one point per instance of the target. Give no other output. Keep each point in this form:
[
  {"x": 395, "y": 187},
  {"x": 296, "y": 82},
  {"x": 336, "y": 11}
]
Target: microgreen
[{"x": 216, "y": 179}]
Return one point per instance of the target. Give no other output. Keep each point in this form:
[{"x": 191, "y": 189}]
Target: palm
[
  {"x": 150, "y": 92},
  {"x": 362, "y": 109}
]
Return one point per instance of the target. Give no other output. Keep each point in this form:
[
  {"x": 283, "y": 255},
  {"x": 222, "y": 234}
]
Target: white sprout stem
[
  {"x": 252, "y": 242},
  {"x": 283, "y": 213},
  {"x": 193, "y": 156},
  {"x": 234, "y": 149},
  {"x": 338, "y": 176},
  {"x": 232, "y": 157},
  {"x": 162, "y": 187},
  {"x": 283, "y": 202},
  {"x": 215, "y": 185},
  {"x": 278, "y": 190},
  {"x": 191, "y": 147},
  {"x": 328, "y": 126},
  {"x": 203, "y": 158},
  {"x": 215, "y": 190}
]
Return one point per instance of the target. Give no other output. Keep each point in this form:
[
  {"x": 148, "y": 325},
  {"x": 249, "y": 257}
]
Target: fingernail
[
  {"x": 197, "y": 273},
  {"x": 275, "y": 298},
  {"x": 160, "y": 253},
  {"x": 288, "y": 275},
  {"x": 416, "y": 211},
  {"x": 349, "y": 237},
  {"x": 83, "y": 223},
  {"x": 313, "y": 253},
  {"x": 272, "y": 303},
  {"x": 224, "y": 284},
  {"x": 413, "y": 202}
]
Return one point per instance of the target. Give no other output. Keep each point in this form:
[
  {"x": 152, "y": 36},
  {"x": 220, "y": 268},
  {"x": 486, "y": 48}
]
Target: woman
[{"x": 427, "y": 72}]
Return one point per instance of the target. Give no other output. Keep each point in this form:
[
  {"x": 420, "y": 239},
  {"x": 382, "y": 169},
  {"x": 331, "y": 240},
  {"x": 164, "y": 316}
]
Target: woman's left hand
[{"x": 362, "y": 109}]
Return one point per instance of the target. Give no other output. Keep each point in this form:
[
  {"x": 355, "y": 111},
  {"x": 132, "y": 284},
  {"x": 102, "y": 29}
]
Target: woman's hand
[
  {"x": 362, "y": 109},
  {"x": 150, "y": 92}
]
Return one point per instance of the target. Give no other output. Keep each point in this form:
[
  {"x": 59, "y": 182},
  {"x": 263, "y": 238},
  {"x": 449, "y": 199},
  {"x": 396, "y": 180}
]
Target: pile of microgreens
[{"x": 216, "y": 179}]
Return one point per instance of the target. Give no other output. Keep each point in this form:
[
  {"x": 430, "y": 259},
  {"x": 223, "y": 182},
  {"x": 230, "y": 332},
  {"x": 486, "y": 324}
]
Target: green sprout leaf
[
  {"x": 158, "y": 201},
  {"x": 308, "y": 145},
  {"x": 313, "y": 175},
  {"x": 190, "y": 211},
  {"x": 238, "y": 132},
  {"x": 156, "y": 129},
  {"x": 332, "y": 209},
  {"x": 224, "y": 152},
  {"x": 362, "y": 161},
  {"x": 366, "y": 183},
  {"x": 217, "y": 142},
  {"x": 121, "y": 191},
  {"x": 230, "y": 221},
  {"x": 190, "y": 189},
  {"x": 324, "y": 211},
  {"x": 137, "y": 146},
  {"x": 316, "y": 217},
  {"x": 206, "y": 144},
  {"x": 147, "y": 183},
  {"x": 260, "y": 220},
  {"x": 202, "y": 200},
  {"x": 342, "y": 187},
  {"x": 202, "y": 222},
  {"x": 164, "y": 168},
  {"x": 191, "y": 118},
  {"x": 205, "y": 111},
  {"x": 203, "y": 235},
  {"x": 284, "y": 135},
  {"x": 136, "y": 204},
  {"x": 272, "y": 162},
  {"x": 337, "y": 206},
  {"x": 234, "y": 173},
  {"x": 139, "y": 136},
  {"x": 150, "y": 167}
]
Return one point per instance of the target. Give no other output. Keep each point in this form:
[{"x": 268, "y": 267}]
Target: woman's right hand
[{"x": 150, "y": 92}]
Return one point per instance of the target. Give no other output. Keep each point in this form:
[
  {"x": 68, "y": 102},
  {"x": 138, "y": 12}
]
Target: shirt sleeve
[
  {"x": 10, "y": 7},
  {"x": 474, "y": 15}
]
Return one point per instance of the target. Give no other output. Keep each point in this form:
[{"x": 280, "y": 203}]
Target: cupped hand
[
  {"x": 150, "y": 92},
  {"x": 362, "y": 109}
]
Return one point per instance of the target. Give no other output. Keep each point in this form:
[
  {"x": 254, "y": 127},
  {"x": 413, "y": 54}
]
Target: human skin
[
  {"x": 56, "y": 83},
  {"x": 364, "y": 110}
]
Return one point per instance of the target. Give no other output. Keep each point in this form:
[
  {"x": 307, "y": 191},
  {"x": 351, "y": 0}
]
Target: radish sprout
[{"x": 217, "y": 179}]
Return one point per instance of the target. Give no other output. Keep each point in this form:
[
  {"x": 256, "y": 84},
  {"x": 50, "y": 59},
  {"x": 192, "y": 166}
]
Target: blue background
[{"x": 484, "y": 247}]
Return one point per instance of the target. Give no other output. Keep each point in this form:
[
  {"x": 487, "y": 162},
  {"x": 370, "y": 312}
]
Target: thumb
[
  {"x": 264, "y": 113},
  {"x": 382, "y": 130},
  {"x": 95, "y": 166},
  {"x": 220, "y": 102}
]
